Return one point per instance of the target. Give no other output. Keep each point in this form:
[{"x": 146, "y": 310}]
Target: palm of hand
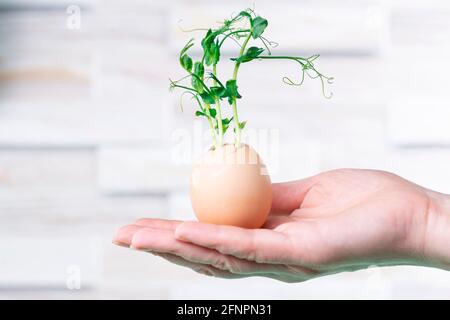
[
  {"x": 353, "y": 218},
  {"x": 340, "y": 220}
]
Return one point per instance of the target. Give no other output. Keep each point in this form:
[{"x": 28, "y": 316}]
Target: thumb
[{"x": 288, "y": 196}]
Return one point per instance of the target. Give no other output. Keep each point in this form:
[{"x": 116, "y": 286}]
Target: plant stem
[
  {"x": 183, "y": 87},
  {"x": 241, "y": 52},
  {"x": 306, "y": 64},
  {"x": 211, "y": 126},
  {"x": 297, "y": 59},
  {"x": 219, "y": 112},
  {"x": 235, "y": 114},
  {"x": 237, "y": 140},
  {"x": 232, "y": 33},
  {"x": 283, "y": 57}
]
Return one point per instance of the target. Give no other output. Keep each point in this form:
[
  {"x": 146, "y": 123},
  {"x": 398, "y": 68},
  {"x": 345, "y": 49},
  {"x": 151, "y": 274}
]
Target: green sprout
[{"x": 209, "y": 92}]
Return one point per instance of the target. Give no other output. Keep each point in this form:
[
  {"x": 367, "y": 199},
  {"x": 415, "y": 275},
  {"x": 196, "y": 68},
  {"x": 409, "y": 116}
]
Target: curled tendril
[
  {"x": 272, "y": 44},
  {"x": 310, "y": 75},
  {"x": 252, "y": 10},
  {"x": 236, "y": 41},
  {"x": 233, "y": 17},
  {"x": 173, "y": 85},
  {"x": 288, "y": 81},
  {"x": 236, "y": 16},
  {"x": 323, "y": 78},
  {"x": 311, "y": 72},
  {"x": 179, "y": 80},
  {"x": 313, "y": 57},
  {"x": 194, "y": 96},
  {"x": 265, "y": 45}
]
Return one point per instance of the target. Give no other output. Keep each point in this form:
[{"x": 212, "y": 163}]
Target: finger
[
  {"x": 259, "y": 245},
  {"x": 198, "y": 267},
  {"x": 158, "y": 223},
  {"x": 288, "y": 196},
  {"x": 163, "y": 241},
  {"x": 125, "y": 234},
  {"x": 215, "y": 272}
]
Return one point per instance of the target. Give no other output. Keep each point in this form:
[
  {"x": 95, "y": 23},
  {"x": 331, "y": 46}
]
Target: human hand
[{"x": 342, "y": 220}]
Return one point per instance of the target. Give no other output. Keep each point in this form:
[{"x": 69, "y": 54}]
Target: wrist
[{"x": 436, "y": 246}]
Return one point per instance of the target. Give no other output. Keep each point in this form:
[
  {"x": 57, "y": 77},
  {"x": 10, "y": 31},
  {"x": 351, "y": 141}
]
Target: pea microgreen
[{"x": 209, "y": 92}]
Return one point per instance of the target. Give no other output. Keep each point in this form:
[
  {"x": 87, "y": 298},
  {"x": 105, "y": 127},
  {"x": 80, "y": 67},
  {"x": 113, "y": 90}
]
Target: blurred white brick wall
[{"x": 87, "y": 129}]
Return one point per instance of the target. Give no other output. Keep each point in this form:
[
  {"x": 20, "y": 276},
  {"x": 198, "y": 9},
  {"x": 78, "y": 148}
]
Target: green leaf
[
  {"x": 215, "y": 52},
  {"x": 245, "y": 14},
  {"x": 250, "y": 54},
  {"x": 208, "y": 58},
  {"x": 187, "y": 47},
  {"x": 186, "y": 62},
  {"x": 207, "y": 40},
  {"x": 227, "y": 23},
  {"x": 232, "y": 89},
  {"x": 225, "y": 124},
  {"x": 227, "y": 121},
  {"x": 206, "y": 44},
  {"x": 241, "y": 125},
  {"x": 212, "y": 112},
  {"x": 258, "y": 26},
  {"x": 207, "y": 98},
  {"x": 199, "y": 71},
  {"x": 214, "y": 77},
  {"x": 219, "y": 92},
  {"x": 211, "y": 49},
  {"x": 212, "y": 54}
]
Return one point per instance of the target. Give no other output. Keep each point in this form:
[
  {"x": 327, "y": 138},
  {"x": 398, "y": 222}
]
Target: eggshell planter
[{"x": 231, "y": 186}]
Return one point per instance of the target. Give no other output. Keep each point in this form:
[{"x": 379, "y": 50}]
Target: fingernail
[
  {"x": 141, "y": 249},
  {"x": 120, "y": 244}
]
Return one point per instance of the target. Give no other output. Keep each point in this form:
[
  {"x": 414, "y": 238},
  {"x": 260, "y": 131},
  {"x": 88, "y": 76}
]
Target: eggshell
[{"x": 230, "y": 186}]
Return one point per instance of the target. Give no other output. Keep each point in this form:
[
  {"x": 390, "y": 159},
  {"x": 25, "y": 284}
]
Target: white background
[{"x": 88, "y": 127}]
